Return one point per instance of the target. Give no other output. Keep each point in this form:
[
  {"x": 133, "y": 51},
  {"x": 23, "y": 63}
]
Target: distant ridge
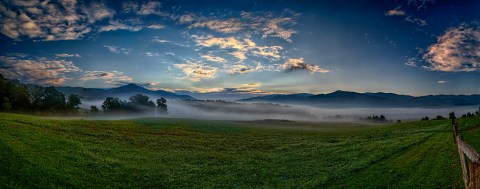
[
  {"x": 122, "y": 92},
  {"x": 347, "y": 99}
]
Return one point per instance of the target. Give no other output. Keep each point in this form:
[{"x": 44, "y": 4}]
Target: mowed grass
[
  {"x": 38, "y": 152},
  {"x": 470, "y": 130}
]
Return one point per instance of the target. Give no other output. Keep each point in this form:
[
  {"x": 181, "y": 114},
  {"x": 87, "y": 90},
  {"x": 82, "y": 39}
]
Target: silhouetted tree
[
  {"x": 141, "y": 100},
  {"x": 162, "y": 105},
  {"x": 399, "y": 121},
  {"x": 94, "y": 109},
  {"x": 113, "y": 104},
  {"x": 426, "y": 118},
  {"x": 73, "y": 101},
  {"x": 452, "y": 117}
]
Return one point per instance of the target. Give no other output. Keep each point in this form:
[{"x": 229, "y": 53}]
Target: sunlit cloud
[
  {"x": 298, "y": 64},
  {"x": 395, "y": 12},
  {"x": 240, "y": 47},
  {"x": 213, "y": 58},
  {"x": 39, "y": 71},
  {"x": 113, "y": 77},
  {"x": 456, "y": 50},
  {"x": 197, "y": 71}
]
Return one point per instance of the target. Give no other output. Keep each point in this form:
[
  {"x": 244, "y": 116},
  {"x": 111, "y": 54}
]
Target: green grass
[
  {"x": 470, "y": 130},
  {"x": 38, "y": 152}
]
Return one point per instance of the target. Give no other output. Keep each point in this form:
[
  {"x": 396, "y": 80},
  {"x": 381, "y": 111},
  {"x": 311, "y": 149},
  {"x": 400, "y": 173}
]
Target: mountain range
[
  {"x": 121, "y": 92},
  {"x": 346, "y": 99},
  {"x": 337, "y": 99}
]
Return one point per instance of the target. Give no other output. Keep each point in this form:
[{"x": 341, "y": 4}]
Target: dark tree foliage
[
  {"x": 452, "y": 117},
  {"x": 141, "y": 100},
  {"x": 73, "y": 101},
  {"x": 114, "y": 104},
  {"x": 162, "y": 105},
  {"x": 378, "y": 119},
  {"x": 426, "y": 118},
  {"x": 15, "y": 96},
  {"x": 94, "y": 109}
]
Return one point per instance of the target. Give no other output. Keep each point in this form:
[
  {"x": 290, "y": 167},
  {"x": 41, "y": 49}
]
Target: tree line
[{"x": 18, "y": 97}]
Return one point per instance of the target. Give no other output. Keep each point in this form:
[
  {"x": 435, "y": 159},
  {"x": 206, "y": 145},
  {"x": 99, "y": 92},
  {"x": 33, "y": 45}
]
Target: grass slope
[{"x": 39, "y": 152}]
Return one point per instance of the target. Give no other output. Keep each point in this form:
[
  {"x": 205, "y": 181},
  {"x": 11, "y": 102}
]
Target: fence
[{"x": 470, "y": 160}]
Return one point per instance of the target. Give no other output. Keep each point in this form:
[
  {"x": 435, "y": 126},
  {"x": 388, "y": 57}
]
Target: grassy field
[
  {"x": 470, "y": 129},
  {"x": 38, "y": 152}
]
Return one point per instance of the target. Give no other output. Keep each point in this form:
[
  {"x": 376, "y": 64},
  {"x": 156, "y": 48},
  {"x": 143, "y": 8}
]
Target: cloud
[
  {"x": 67, "y": 55},
  {"x": 67, "y": 19},
  {"x": 416, "y": 21},
  {"x": 118, "y": 25},
  {"x": 144, "y": 9},
  {"x": 272, "y": 26},
  {"x": 442, "y": 82},
  {"x": 156, "y": 26},
  {"x": 395, "y": 12},
  {"x": 97, "y": 12},
  {"x": 40, "y": 71},
  {"x": 265, "y": 23},
  {"x": 239, "y": 69},
  {"x": 161, "y": 41},
  {"x": 230, "y": 25},
  {"x": 113, "y": 77},
  {"x": 412, "y": 62},
  {"x": 213, "y": 58},
  {"x": 298, "y": 64},
  {"x": 44, "y": 21},
  {"x": 456, "y": 50},
  {"x": 240, "y": 47},
  {"x": 118, "y": 50},
  {"x": 197, "y": 71},
  {"x": 151, "y": 54}
]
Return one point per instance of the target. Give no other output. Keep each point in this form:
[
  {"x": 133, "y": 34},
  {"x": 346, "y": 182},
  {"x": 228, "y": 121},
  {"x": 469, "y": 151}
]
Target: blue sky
[{"x": 414, "y": 47}]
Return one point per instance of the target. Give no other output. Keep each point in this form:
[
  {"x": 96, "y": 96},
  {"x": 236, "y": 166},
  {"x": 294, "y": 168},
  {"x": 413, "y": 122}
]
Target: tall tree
[{"x": 73, "y": 101}]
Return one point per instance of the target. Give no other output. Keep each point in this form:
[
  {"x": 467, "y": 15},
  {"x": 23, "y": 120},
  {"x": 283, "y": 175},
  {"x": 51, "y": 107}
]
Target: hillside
[
  {"x": 346, "y": 99},
  {"x": 122, "y": 91}
]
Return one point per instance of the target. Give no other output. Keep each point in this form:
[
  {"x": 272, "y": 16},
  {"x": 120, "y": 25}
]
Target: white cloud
[
  {"x": 416, "y": 21},
  {"x": 147, "y": 8},
  {"x": 442, "y": 82},
  {"x": 97, "y": 11},
  {"x": 266, "y": 24},
  {"x": 113, "y": 77},
  {"x": 197, "y": 71},
  {"x": 298, "y": 64},
  {"x": 456, "y": 50},
  {"x": 230, "y": 25},
  {"x": 45, "y": 21},
  {"x": 272, "y": 26},
  {"x": 161, "y": 41},
  {"x": 395, "y": 12},
  {"x": 156, "y": 26},
  {"x": 67, "y": 55},
  {"x": 118, "y": 50},
  {"x": 118, "y": 25},
  {"x": 213, "y": 58},
  {"x": 39, "y": 71}
]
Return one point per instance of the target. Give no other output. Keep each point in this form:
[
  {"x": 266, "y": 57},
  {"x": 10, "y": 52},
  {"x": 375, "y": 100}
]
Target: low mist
[{"x": 221, "y": 110}]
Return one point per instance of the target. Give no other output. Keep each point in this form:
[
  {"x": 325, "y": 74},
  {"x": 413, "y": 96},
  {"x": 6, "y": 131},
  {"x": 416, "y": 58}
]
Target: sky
[{"x": 245, "y": 48}]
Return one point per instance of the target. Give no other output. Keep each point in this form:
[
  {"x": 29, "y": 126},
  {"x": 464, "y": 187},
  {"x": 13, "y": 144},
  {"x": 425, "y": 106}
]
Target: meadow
[{"x": 42, "y": 152}]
